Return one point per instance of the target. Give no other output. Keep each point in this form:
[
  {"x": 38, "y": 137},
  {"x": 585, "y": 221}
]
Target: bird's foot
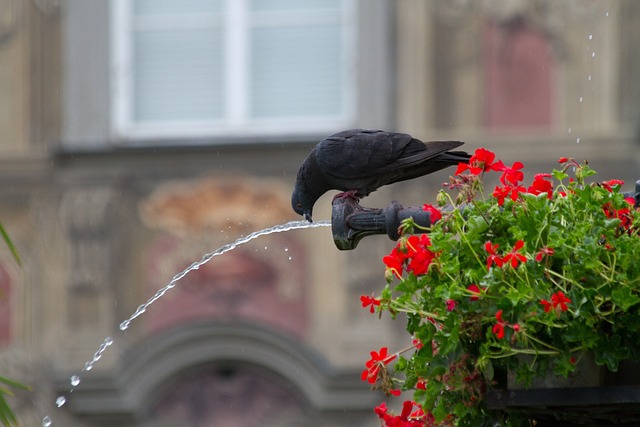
[{"x": 351, "y": 194}]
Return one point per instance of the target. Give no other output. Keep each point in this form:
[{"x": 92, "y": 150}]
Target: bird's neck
[{"x": 313, "y": 174}]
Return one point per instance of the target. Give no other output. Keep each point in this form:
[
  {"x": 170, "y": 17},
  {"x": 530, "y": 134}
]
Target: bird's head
[{"x": 302, "y": 203}]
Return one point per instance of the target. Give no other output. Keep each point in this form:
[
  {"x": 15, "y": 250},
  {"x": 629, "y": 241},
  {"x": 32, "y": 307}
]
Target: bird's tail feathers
[{"x": 454, "y": 157}]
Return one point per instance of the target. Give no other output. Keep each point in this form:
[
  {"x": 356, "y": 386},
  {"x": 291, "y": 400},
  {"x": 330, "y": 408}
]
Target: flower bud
[{"x": 441, "y": 198}]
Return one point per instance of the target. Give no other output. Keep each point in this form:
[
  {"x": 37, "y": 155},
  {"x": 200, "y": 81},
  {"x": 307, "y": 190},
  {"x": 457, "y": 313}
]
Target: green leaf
[
  {"x": 10, "y": 245},
  {"x": 624, "y": 298},
  {"x": 15, "y": 384},
  {"x": 610, "y": 353},
  {"x": 7, "y": 417},
  {"x": 559, "y": 175}
]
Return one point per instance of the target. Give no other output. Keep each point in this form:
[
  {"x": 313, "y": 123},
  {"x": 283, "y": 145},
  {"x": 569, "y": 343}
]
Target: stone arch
[{"x": 127, "y": 394}]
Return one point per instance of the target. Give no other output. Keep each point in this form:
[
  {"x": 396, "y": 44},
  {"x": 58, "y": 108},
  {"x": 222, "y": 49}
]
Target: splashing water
[
  {"x": 292, "y": 225},
  {"x": 60, "y": 401},
  {"x": 74, "y": 380}
]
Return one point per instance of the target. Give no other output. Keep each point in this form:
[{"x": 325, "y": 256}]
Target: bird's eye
[{"x": 299, "y": 205}]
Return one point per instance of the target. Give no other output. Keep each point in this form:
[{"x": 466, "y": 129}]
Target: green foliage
[
  {"x": 7, "y": 417},
  {"x": 527, "y": 279}
]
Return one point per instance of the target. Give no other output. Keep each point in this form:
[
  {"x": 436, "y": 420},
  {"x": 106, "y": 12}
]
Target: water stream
[{"x": 75, "y": 379}]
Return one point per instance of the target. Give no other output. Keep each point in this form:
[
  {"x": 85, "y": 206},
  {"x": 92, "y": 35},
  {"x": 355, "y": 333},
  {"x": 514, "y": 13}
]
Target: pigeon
[{"x": 359, "y": 161}]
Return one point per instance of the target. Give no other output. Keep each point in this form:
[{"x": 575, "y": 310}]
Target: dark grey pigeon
[{"x": 360, "y": 161}]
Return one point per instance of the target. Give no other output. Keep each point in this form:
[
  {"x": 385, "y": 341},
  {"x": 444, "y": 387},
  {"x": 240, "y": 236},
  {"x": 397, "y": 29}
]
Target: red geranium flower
[
  {"x": 541, "y": 184},
  {"x": 419, "y": 253},
  {"x": 514, "y": 257},
  {"x": 434, "y": 213},
  {"x": 369, "y": 301},
  {"x": 407, "y": 418},
  {"x": 416, "y": 343},
  {"x": 481, "y": 161},
  {"x": 624, "y": 215},
  {"x": 498, "y": 328},
  {"x": 451, "y": 305},
  {"x": 609, "y": 185},
  {"x": 546, "y": 251},
  {"x": 493, "y": 257},
  {"x": 512, "y": 192},
  {"x": 559, "y": 302},
  {"x": 377, "y": 361},
  {"x": 394, "y": 261},
  {"x": 511, "y": 175},
  {"x": 475, "y": 290}
]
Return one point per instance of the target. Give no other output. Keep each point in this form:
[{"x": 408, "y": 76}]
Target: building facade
[{"x": 137, "y": 136}]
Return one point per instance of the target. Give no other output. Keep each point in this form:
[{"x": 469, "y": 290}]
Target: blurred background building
[{"x": 138, "y": 135}]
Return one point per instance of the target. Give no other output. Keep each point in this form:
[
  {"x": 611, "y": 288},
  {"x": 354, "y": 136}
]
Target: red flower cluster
[
  {"x": 411, "y": 254},
  {"x": 481, "y": 161},
  {"x": 624, "y": 214},
  {"x": 409, "y": 417},
  {"x": 511, "y": 178},
  {"x": 609, "y": 185},
  {"x": 558, "y": 302},
  {"x": 377, "y": 362},
  {"x": 513, "y": 257},
  {"x": 499, "y": 328}
]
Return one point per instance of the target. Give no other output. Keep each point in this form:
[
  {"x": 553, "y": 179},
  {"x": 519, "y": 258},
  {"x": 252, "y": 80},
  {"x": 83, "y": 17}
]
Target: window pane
[
  {"x": 178, "y": 75},
  {"x": 176, "y": 7},
  {"x": 261, "y": 5},
  {"x": 235, "y": 63},
  {"x": 296, "y": 71}
]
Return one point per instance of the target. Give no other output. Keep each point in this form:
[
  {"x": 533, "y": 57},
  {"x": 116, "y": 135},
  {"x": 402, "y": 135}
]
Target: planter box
[
  {"x": 593, "y": 396},
  {"x": 586, "y": 374}
]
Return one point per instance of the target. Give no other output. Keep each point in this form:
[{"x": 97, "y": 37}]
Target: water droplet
[
  {"x": 290, "y": 258},
  {"x": 590, "y": 36},
  {"x": 88, "y": 366},
  {"x": 580, "y": 99},
  {"x": 606, "y": 14},
  {"x": 578, "y": 140},
  {"x": 46, "y": 421},
  {"x": 265, "y": 248},
  {"x": 589, "y": 77},
  {"x": 61, "y": 400},
  {"x": 108, "y": 341},
  {"x": 569, "y": 131},
  {"x": 286, "y": 249},
  {"x": 74, "y": 380},
  {"x": 593, "y": 54},
  {"x": 124, "y": 325}
]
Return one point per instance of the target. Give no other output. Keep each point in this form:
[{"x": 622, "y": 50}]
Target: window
[{"x": 205, "y": 68}]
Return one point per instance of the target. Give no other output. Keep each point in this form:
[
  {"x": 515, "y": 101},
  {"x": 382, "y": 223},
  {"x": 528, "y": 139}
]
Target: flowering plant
[{"x": 547, "y": 270}]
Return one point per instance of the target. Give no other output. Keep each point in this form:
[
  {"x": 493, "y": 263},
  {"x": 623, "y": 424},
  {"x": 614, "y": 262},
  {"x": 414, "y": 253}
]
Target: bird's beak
[{"x": 307, "y": 216}]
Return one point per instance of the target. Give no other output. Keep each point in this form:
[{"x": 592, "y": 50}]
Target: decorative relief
[
  {"x": 262, "y": 282},
  {"x": 10, "y": 16},
  {"x": 214, "y": 204},
  {"x": 94, "y": 231}
]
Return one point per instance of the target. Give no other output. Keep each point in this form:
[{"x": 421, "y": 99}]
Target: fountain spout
[
  {"x": 351, "y": 222},
  {"x": 635, "y": 194}
]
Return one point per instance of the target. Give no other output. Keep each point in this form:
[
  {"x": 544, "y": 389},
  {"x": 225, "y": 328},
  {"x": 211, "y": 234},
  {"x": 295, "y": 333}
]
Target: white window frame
[{"x": 236, "y": 124}]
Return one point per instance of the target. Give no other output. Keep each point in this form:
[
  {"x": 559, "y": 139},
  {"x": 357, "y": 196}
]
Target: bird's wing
[{"x": 358, "y": 153}]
